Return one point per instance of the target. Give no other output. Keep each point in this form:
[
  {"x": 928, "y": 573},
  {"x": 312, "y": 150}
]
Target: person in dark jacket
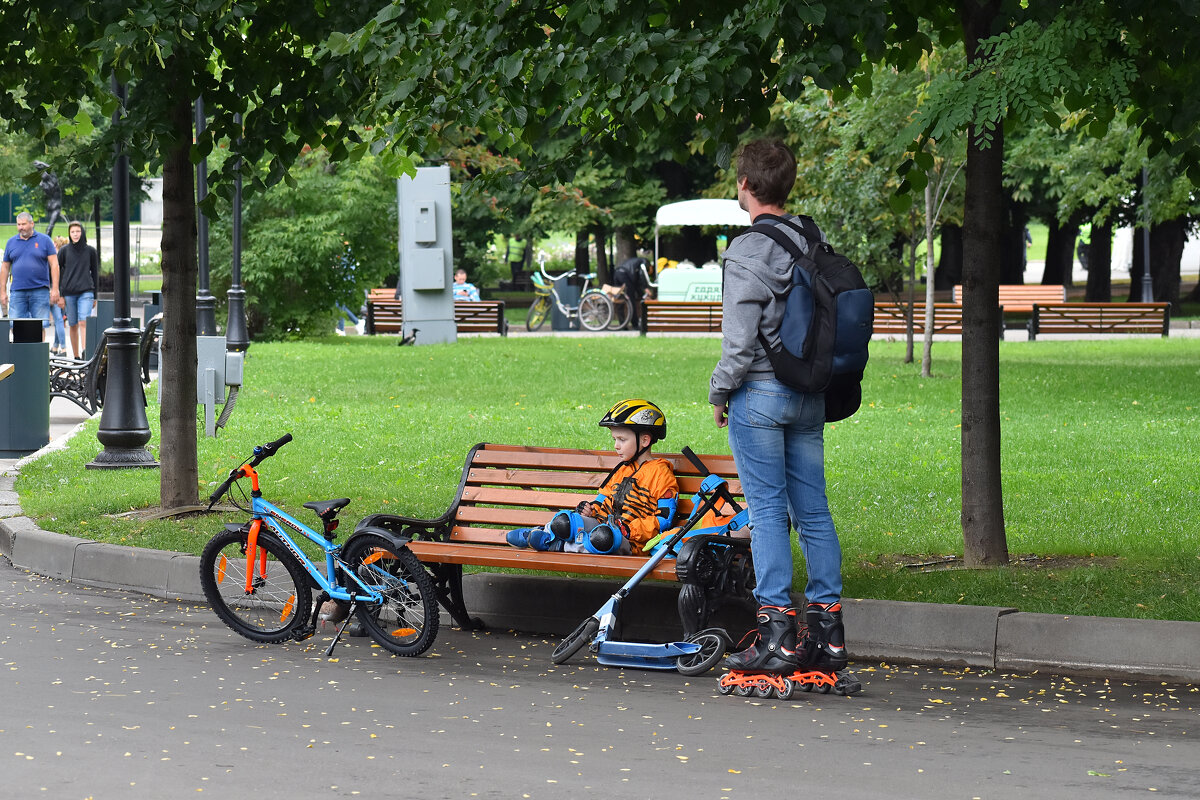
[{"x": 79, "y": 266}]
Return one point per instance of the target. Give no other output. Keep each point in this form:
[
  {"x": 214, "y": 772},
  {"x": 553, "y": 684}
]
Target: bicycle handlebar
[
  {"x": 568, "y": 274},
  {"x": 261, "y": 453}
]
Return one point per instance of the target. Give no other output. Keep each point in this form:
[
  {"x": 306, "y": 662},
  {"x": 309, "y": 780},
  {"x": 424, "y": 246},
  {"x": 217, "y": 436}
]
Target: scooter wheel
[
  {"x": 712, "y": 647},
  {"x": 579, "y": 637}
]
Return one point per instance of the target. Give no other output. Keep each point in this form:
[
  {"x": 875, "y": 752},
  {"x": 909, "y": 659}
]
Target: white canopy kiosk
[
  {"x": 700, "y": 212},
  {"x": 695, "y": 283}
]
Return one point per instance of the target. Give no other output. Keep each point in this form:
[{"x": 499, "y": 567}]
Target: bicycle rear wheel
[
  {"x": 406, "y": 622},
  {"x": 537, "y": 313},
  {"x": 280, "y": 596},
  {"x": 595, "y": 310},
  {"x": 622, "y": 312}
]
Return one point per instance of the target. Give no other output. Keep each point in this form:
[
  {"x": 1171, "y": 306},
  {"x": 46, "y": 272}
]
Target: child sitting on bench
[{"x": 636, "y": 502}]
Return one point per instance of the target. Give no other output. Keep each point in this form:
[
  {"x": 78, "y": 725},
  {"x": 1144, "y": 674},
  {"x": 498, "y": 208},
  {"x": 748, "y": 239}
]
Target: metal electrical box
[{"x": 426, "y": 256}]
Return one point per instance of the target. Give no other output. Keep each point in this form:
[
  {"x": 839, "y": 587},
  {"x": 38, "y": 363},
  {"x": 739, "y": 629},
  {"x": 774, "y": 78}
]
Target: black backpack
[{"x": 827, "y": 322}]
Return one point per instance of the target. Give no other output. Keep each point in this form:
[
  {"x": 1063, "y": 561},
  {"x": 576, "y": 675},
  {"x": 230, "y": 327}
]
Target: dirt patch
[
  {"x": 183, "y": 512},
  {"x": 933, "y": 563}
]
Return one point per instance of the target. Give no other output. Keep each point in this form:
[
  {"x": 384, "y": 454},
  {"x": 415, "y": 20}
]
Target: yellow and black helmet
[{"x": 641, "y": 416}]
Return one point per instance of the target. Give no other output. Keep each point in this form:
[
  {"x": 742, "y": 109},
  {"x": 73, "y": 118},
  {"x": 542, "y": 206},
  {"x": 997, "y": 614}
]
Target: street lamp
[
  {"x": 206, "y": 304},
  {"x": 1147, "y": 282},
  {"x": 124, "y": 429},
  {"x": 237, "y": 338}
]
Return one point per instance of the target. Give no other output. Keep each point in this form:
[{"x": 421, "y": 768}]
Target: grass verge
[{"x": 1098, "y": 457}]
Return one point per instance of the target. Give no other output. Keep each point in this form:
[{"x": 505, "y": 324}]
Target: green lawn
[{"x": 1099, "y": 453}]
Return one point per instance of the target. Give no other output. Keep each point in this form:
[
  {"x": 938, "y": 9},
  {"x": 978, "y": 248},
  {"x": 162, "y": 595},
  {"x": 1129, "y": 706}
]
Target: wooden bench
[
  {"x": 509, "y": 486},
  {"x": 385, "y": 314},
  {"x": 1077, "y": 318},
  {"x": 679, "y": 316},
  {"x": 947, "y": 318},
  {"x": 1019, "y": 298}
]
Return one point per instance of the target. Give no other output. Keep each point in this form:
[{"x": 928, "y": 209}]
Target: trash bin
[
  {"x": 568, "y": 295},
  {"x": 24, "y": 395},
  {"x": 98, "y": 324}
]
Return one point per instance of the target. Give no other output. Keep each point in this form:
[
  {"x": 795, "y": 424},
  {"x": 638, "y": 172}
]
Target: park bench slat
[
  {"x": 677, "y": 316},
  {"x": 511, "y": 557}
]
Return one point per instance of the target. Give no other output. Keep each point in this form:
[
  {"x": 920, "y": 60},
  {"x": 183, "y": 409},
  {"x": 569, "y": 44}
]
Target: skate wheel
[
  {"x": 804, "y": 686},
  {"x": 725, "y": 688},
  {"x": 823, "y": 688},
  {"x": 789, "y": 688},
  {"x": 763, "y": 689},
  {"x": 743, "y": 690}
]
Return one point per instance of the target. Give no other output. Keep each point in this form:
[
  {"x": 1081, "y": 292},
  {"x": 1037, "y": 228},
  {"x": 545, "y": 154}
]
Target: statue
[{"x": 53, "y": 194}]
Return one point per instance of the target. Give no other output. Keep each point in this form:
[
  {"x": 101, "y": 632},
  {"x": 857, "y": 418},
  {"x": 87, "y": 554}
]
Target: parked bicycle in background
[{"x": 594, "y": 311}]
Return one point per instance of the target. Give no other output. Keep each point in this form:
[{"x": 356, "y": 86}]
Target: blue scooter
[{"x": 692, "y": 657}]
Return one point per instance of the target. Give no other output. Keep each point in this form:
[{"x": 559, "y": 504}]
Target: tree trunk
[
  {"x": 984, "y": 219},
  {"x": 1137, "y": 266},
  {"x": 1166, "y": 255},
  {"x": 179, "y": 479},
  {"x": 1099, "y": 278},
  {"x": 583, "y": 260},
  {"x": 626, "y": 244},
  {"x": 1060, "y": 254},
  {"x": 602, "y": 266}
]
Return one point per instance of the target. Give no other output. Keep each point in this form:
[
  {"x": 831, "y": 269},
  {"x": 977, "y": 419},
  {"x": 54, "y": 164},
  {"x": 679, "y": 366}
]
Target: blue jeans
[
  {"x": 30, "y": 304},
  {"x": 777, "y": 438},
  {"x": 60, "y": 332}
]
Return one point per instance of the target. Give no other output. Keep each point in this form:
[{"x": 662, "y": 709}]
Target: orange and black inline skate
[{"x": 785, "y": 658}]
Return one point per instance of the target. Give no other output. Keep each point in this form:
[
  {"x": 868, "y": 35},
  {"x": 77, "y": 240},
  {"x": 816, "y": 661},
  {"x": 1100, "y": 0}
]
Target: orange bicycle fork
[{"x": 253, "y": 554}]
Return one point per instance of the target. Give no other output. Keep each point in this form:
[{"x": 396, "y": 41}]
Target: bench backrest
[
  {"x": 681, "y": 316},
  {"x": 1021, "y": 297},
  {"x": 512, "y": 486},
  {"x": 892, "y": 317}
]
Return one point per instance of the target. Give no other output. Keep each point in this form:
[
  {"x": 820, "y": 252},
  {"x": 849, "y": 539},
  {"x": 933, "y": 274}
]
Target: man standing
[
  {"x": 33, "y": 260},
  {"x": 777, "y": 436}
]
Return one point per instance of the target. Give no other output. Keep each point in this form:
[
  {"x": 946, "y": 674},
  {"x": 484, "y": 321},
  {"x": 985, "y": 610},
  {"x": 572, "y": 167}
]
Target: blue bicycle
[{"x": 260, "y": 583}]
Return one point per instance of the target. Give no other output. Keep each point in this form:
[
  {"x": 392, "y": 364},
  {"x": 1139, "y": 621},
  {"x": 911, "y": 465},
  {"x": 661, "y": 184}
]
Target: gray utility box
[
  {"x": 24, "y": 395},
  {"x": 426, "y": 255}
]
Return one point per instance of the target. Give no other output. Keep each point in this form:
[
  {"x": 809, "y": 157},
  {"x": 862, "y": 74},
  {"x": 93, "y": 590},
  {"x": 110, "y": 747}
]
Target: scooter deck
[{"x": 639, "y": 655}]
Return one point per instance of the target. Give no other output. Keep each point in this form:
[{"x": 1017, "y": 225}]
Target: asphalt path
[{"x": 109, "y": 694}]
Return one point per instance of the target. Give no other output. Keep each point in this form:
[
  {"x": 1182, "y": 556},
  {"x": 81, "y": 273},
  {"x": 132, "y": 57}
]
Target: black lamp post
[
  {"x": 124, "y": 430},
  {"x": 206, "y": 304},
  {"x": 237, "y": 338},
  {"x": 1147, "y": 281}
]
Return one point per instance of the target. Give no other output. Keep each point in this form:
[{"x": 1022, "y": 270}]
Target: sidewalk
[{"x": 879, "y": 630}]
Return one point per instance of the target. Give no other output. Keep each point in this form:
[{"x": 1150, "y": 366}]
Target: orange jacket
[{"x": 640, "y": 489}]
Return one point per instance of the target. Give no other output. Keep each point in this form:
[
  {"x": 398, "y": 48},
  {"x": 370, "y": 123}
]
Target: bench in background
[
  {"x": 1019, "y": 298},
  {"x": 1103, "y": 318},
  {"x": 680, "y": 316},
  {"x": 385, "y": 314}
]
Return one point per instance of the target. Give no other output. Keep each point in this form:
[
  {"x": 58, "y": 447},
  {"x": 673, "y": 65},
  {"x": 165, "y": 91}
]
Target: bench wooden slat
[
  {"x": 493, "y": 556},
  {"x": 477, "y": 495}
]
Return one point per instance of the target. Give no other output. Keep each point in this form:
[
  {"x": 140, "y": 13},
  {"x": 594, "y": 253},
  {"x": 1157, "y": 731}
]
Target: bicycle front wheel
[
  {"x": 406, "y": 622},
  {"x": 622, "y": 313},
  {"x": 595, "y": 310},
  {"x": 537, "y": 313},
  {"x": 279, "y": 597}
]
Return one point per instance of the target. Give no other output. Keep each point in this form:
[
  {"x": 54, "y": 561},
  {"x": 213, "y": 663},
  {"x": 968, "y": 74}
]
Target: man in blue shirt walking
[{"x": 33, "y": 261}]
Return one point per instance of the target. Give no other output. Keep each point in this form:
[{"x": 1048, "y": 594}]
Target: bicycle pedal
[{"x": 304, "y": 633}]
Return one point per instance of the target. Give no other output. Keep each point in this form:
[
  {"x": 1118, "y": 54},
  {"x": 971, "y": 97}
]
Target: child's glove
[{"x": 587, "y": 508}]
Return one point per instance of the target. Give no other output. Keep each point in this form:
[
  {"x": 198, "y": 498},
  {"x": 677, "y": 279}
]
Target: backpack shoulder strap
[
  {"x": 806, "y": 227},
  {"x": 781, "y": 238}
]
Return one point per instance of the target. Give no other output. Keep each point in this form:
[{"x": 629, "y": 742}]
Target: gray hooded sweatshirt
[{"x": 757, "y": 274}]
